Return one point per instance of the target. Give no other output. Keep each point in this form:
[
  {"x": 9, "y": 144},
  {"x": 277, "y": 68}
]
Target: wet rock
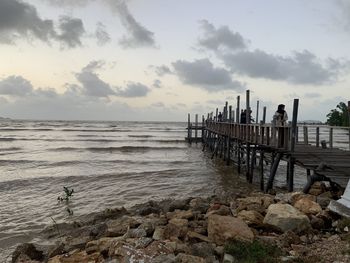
[
  {"x": 76, "y": 242},
  {"x": 27, "y": 250},
  {"x": 285, "y": 217},
  {"x": 150, "y": 207},
  {"x": 307, "y": 206},
  {"x": 223, "y": 228},
  {"x": 120, "y": 226},
  {"x": 199, "y": 204},
  {"x": 252, "y": 218},
  {"x": 172, "y": 205}
]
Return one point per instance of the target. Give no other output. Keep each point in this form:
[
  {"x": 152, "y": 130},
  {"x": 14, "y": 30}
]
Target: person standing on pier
[
  {"x": 279, "y": 121},
  {"x": 280, "y": 117}
]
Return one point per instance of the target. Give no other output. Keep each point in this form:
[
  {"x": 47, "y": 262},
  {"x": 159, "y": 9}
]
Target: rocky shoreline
[{"x": 251, "y": 227}]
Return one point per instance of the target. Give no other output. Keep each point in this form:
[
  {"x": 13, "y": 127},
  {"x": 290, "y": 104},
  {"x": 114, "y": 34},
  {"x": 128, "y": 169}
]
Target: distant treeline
[{"x": 339, "y": 116}]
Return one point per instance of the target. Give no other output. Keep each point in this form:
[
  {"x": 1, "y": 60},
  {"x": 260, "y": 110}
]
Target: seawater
[{"x": 108, "y": 164}]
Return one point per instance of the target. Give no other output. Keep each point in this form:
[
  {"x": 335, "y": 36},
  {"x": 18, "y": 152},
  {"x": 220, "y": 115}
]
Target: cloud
[
  {"x": 133, "y": 90},
  {"x": 157, "y": 83},
  {"x": 137, "y": 35},
  {"x": 162, "y": 70},
  {"x": 344, "y": 10},
  {"x": 301, "y": 68},
  {"x": 91, "y": 83},
  {"x": 15, "y": 86},
  {"x": 158, "y": 105},
  {"x": 101, "y": 34},
  {"x": 312, "y": 95},
  {"x": 220, "y": 38},
  {"x": 19, "y": 19},
  {"x": 72, "y": 29},
  {"x": 203, "y": 74}
]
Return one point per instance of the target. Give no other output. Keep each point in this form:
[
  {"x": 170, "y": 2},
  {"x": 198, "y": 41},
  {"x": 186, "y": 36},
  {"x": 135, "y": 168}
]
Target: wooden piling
[
  {"x": 292, "y": 145},
  {"x": 331, "y": 137},
  {"x": 317, "y": 136},
  {"x": 189, "y": 130},
  {"x": 238, "y": 110}
]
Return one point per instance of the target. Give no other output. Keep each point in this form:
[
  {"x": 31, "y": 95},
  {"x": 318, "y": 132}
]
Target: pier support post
[{"x": 292, "y": 145}]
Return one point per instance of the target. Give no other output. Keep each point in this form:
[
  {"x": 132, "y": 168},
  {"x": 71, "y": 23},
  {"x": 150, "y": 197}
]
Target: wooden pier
[{"x": 251, "y": 146}]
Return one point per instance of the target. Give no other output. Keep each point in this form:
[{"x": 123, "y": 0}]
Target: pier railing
[{"x": 261, "y": 134}]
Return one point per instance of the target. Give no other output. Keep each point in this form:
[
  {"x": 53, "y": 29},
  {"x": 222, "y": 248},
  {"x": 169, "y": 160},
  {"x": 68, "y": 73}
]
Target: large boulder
[
  {"x": 285, "y": 217},
  {"x": 223, "y": 228},
  {"x": 252, "y": 218}
]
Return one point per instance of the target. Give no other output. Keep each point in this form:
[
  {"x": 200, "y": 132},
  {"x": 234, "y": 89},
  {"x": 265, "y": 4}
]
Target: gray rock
[
  {"x": 29, "y": 250},
  {"x": 285, "y": 217}
]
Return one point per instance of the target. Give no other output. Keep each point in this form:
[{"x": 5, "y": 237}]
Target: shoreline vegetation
[{"x": 249, "y": 227}]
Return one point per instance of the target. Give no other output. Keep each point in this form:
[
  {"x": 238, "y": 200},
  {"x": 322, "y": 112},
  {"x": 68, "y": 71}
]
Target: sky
[{"x": 158, "y": 60}]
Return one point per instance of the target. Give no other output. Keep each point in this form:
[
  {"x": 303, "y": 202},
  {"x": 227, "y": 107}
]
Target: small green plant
[
  {"x": 68, "y": 193},
  {"x": 255, "y": 252}
]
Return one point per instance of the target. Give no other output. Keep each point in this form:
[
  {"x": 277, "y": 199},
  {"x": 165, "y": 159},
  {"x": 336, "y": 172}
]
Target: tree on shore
[{"x": 339, "y": 116}]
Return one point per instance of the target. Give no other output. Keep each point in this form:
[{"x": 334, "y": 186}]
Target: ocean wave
[
  {"x": 10, "y": 149},
  {"x": 25, "y": 129},
  {"x": 95, "y": 130},
  {"x": 115, "y": 149},
  {"x": 140, "y": 136}
]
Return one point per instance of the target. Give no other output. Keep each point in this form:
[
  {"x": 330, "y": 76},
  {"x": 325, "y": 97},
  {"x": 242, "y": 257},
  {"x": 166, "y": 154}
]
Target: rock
[
  {"x": 317, "y": 188},
  {"x": 143, "y": 242},
  {"x": 252, "y": 218},
  {"x": 291, "y": 198},
  {"x": 317, "y": 223},
  {"x": 76, "y": 242},
  {"x": 177, "y": 228},
  {"x": 157, "y": 248},
  {"x": 199, "y": 204},
  {"x": 307, "y": 206},
  {"x": 164, "y": 259},
  {"x": 75, "y": 257},
  {"x": 195, "y": 236},
  {"x": 158, "y": 233},
  {"x": 98, "y": 230},
  {"x": 184, "y": 258},
  {"x": 148, "y": 227},
  {"x": 101, "y": 245},
  {"x": 223, "y": 228},
  {"x": 120, "y": 226},
  {"x": 251, "y": 203},
  {"x": 228, "y": 258},
  {"x": 324, "y": 199},
  {"x": 29, "y": 250},
  {"x": 180, "y": 214},
  {"x": 135, "y": 233},
  {"x": 203, "y": 250},
  {"x": 221, "y": 210},
  {"x": 285, "y": 217}
]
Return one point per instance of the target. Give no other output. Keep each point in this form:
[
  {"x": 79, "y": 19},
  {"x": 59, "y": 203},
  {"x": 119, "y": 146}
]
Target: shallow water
[{"x": 108, "y": 164}]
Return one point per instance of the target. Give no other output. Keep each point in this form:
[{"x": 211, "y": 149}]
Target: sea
[{"x": 108, "y": 164}]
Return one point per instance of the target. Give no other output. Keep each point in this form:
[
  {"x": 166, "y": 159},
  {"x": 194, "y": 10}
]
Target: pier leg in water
[
  {"x": 261, "y": 165},
  {"x": 252, "y": 165},
  {"x": 273, "y": 171}
]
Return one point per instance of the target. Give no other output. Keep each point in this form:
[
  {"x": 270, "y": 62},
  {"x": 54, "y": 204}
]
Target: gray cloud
[
  {"x": 21, "y": 20},
  {"x": 344, "y": 10},
  {"x": 137, "y": 35},
  {"x": 158, "y": 104},
  {"x": 133, "y": 90},
  {"x": 203, "y": 74},
  {"x": 157, "y": 83},
  {"x": 301, "y": 68},
  {"x": 162, "y": 70},
  {"x": 101, "y": 34},
  {"x": 72, "y": 29},
  {"x": 91, "y": 83},
  {"x": 18, "y": 19},
  {"x": 220, "y": 38},
  {"x": 15, "y": 86},
  {"x": 312, "y": 95}
]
